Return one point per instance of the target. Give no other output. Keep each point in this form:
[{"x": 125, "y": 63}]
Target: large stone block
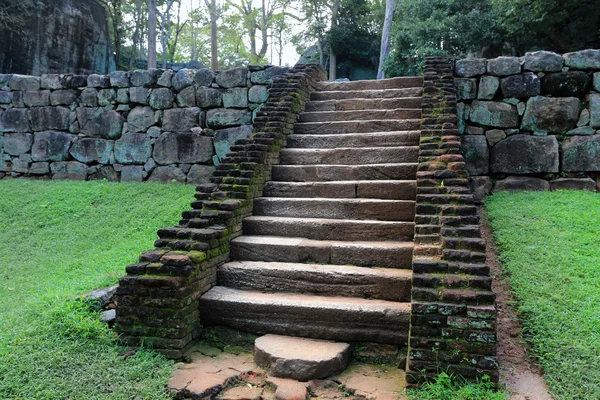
[
  {"x": 493, "y": 113},
  {"x": 566, "y": 84},
  {"x": 225, "y": 138},
  {"x": 265, "y": 77},
  {"x": 69, "y": 170},
  {"x": 5, "y": 97},
  {"x": 595, "y": 110},
  {"x": 142, "y": 77},
  {"x": 91, "y": 150},
  {"x": 232, "y": 77},
  {"x": 199, "y": 174},
  {"x": 49, "y": 118},
  {"x": 16, "y": 144},
  {"x": 132, "y": 173},
  {"x": 187, "y": 97},
  {"x": 522, "y": 85},
  {"x": 161, "y": 98},
  {"x": 584, "y": 59},
  {"x": 182, "y": 79},
  {"x": 547, "y": 114},
  {"x": 235, "y": 98},
  {"x": 14, "y": 120},
  {"x": 167, "y": 174},
  {"x": 98, "y": 81},
  {"x": 209, "y": 98},
  {"x": 204, "y": 77},
  {"x": 24, "y": 82},
  {"x": 481, "y": 186},
  {"x": 466, "y": 89},
  {"x": 223, "y": 118},
  {"x": 119, "y": 79},
  {"x": 520, "y": 184},
  {"x": 543, "y": 61},
  {"x": 581, "y": 153},
  {"x": 182, "y": 119},
  {"x": 503, "y": 66},
  {"x": 51, "y": 81},
  {"x": 51, "y": 146},
  {"x": 182, "y": 147},
  {"x": 597, "y": 81},
  {"x": 525, "y": 154},
  {"x": 470, "y": 67},
  {"x": 133, "y": 148},
  {"x": 476, "y": 153},
  {"x": 573, "y": 184},
  {"x": 63, "y": 97},
  {"x": 140, "y": 119},
  {"x": 258, "y": 94},
  {"x": 88, "y": 97},
  {"x": 106, "y": 97},
  {"x": 98, "y": 122},
  {"x": 488, "y": 86},
  {"x": 139, "y": 95},
  {"x": 35, "y": 98}
]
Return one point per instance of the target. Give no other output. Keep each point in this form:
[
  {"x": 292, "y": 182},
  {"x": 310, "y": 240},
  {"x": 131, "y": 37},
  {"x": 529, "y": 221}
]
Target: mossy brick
[{"x": 428, "y": 320}]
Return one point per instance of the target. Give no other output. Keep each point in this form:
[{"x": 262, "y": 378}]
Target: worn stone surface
[
  {"x": 140, "y": 119},
  {"x": 187, "y": 97},
  {"x": 597, "y": 81},
  {"x": 133, "y": 148},
  {"x": 258, "y": 94},
  {"x": 161, "y": 98},
  {"x": 232, "y": 77},
  {"x": 496, "y": 114},
  {"x": 494, "y": 136},
  {"x": 554, "y": 115},
  {"x": 106, "y": 97},
  {"x": 266, "y": 76},
  {"x": 204, "y": 77},
  {"x": 143, "y": 77},
  {"x": 481, "y": 186},
  {"x": 581, "y": 153},
  {"x": 132, "y": 173},
  {"x": 595, "y": 110},
  {"x": 34, "y": 98},
  {"x": 68, "y": 170},
  {"x": 182, "y": 79},
  {"x": 573, "y": 184},
  {"x": 582, "y": 130},
  {"x": 16, "y": 144},
  {"x": 235, "y": 98},
  {"x": 584, "y": 59},
  {"x": 119, "y": 79},
  {"x": 182, "y": 147},
  {"x": 24, "y": 82},
  {"x": 51, "y": 81},
  {"x": 466, "y": 89},
  {"x": 476, "y": 153},
  {"x": 181, "y": 119},
  {"x": 167, "y": 174},
  {"x": 88, "y": 97},
  {"x": 223, "y": 118},
  {"x": 209, "y": 97},
  {"x": 91, "y": 150},
  {"x": 521, "y": 183},
  {"x": 139, "y": 95},
  {"x": 503, "y": 66},
  {"x": 299, "y": 358},
  {"x": 470, "y": 67},
  {"x": 14, "y": 120},
  {"x": 51, "y": 146},
  {"x": 543, "y": 61},
  {"x": 199, "y": 174},
  {"x": 525, "y": 154},
  {"x": 225, "y": 138},
  {"x": 488, "y": 86},
  {"x": 565, "y": 84},
  {"x": 98, "y": 122},
  {"x": 522, "y": 85},
  {"x": 49, "y": 118}
]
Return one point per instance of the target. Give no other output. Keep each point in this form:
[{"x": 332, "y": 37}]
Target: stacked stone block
[
  {"x": 453, "y": 319},
  {"x": 532, "y": 122},
  {"x": 158, "y": 299},
  {"x": 150, "y": 125}
]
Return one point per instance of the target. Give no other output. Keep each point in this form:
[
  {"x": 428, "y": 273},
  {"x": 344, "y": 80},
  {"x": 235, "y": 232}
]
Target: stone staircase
[{"x": 327, "y": 252}]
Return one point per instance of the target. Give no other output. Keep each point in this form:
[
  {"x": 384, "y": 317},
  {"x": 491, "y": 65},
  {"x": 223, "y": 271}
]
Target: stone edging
[
  {"x": 158, "y": 298},
  {"x": 453, "y": 325}
]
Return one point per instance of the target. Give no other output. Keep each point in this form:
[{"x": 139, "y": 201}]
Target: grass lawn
[
  {"x": 60, "y": 239},
  {"x": 549, "y": 246}
]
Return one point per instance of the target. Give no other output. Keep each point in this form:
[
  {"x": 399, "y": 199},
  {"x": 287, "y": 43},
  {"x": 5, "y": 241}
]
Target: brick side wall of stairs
[{"x": 453, "y": 320}]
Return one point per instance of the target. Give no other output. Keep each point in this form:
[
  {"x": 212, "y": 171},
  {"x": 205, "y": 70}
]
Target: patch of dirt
[{"x": 519, "y": 373}]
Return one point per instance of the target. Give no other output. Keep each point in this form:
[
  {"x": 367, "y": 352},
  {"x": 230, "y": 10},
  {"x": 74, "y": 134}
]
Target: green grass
[
  {"x": 58, "y": 240},
  {"x": 448, "y": 387},
  {"x": 549, "y": 246}
]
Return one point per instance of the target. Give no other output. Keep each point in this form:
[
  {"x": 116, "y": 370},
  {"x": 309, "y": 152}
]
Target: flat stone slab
[{"x": 299, "y": 358}]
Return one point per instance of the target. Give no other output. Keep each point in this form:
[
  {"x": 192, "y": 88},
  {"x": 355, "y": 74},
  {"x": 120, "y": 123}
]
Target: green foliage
[
  {"x": 450, "y": 387},
  {"x": 548, "y": 246},
  {"x": 58, "y": 240}
]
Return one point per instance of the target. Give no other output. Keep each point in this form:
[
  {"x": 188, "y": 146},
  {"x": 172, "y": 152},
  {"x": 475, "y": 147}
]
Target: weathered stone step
[
  {"x": 349, "y": 156},
  {"x": 326, "y": 280},
  {"x": 320, "y": 173},
  {"x": 372, "y": 84},
  {"x": 294, "y": 250},
  {"x": 389, "y": 189},
  {"x": 328, "y": 229},
  {"x": 362, "y": 104},
  {"x": 359, "y": 126},
  {"x": 300, "y": 358},
  {"x": 366, "y": 94},
  {"x": 370, "y": 114},
  {"x": 373, "y": 139},
  {"x": 332, "y": 318},
  {"x": 383, "y": 210}
]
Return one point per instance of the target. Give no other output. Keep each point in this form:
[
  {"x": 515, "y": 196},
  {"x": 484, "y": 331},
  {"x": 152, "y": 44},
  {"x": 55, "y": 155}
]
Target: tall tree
[
  {"x": 151, "y": 33},
  {"x": 335, "y": 8},
  {"x": 165, "y": 29},
  {"x": 214, "y": 16},
  {"x": 114, "y": 8},
  {"x": 385, "y": 37}
]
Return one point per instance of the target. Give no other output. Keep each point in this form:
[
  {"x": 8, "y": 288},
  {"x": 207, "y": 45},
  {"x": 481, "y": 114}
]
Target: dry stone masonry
[
  {"x": 150, "y": 125},
  {"x": 532, "y": 122}
]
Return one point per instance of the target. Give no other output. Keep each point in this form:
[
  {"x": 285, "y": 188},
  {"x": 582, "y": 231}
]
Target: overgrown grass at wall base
[
  {"x": 58, "y": 240},
  {"x": 549, "y": 246}
]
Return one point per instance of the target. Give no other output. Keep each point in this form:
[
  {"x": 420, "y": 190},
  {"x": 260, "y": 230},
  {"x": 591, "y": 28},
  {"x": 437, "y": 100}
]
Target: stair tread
[
  {"x": 328, "y": 220},
  {"x": 295, "y": 241}
]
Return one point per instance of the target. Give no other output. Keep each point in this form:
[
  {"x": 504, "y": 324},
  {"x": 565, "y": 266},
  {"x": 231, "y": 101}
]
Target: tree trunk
[
  {"x": 332, "y": 57},
  {"x": 385, "y": 37},
  {"x": 214, "y": 55},
  {"x": 151, "y": 33}
]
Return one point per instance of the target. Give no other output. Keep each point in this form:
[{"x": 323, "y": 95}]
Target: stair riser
[
  {"x": 322, "y": 173},
  {"x": 360, "y": 104},
  {"x": 387, "y": 190},
  {"x": 332, "y": 141},
  {"x": 349, "y": 156},
  {"x": 357, "y": 126},
  {"x": 330, "y": 230},
  {"x": 316, "y": 282},
  {"x": 393, "y": 83},
  {"x": 324, "y": 253},
  {"x": 328, "y": 116},
  {"x": 365, "y": 209},
  {"x": 366, "y": 94}
]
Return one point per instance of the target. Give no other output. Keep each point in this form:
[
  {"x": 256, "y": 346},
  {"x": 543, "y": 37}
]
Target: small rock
[
  {"x": 476, "y": 154},
  {"x": 481, "y": 186},
  {"x": 521, "y": 183},
  {"x": 466, "y": 89},
  {"x": 494, "y": 136},
  {"x": 573, "y": 184},
  {"x": 108, "y": 317},
  {"x": 488, "y": 86},
  {"x": 103, "y": 296},
  {"x": 241, "y": 393},
  {"x": 584, "y": 117},
  {"x": 583, "y": 130}
]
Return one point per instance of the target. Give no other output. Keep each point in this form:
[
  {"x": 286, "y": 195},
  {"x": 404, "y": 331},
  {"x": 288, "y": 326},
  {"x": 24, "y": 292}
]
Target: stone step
[
  {"x": 300, "y": 358},
  {"x": 382, "y": 189},
  {"x": 363, "y": 209},
  {"x": 370, "y": 114},
  {"x": 321, "y": 173},
  {"x": 373, "y": 84},
  {"x": 349, "y": 155},
  {"x": 294, "y": 250},
  {"x": 328, "y": 229},
  {"x": 373, "y": 139},
  {"x": 325, "y": 280},
  {"x": 332, "y": 318},
  {"x": 359, "y": 126},
  {"x": 362, "y": 104},
  {"x": 366, "y": 94}
]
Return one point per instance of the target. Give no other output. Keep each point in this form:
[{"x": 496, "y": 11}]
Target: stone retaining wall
[
  {"x": 150, "y": 125},
  {"x": 532, "y": 122}
]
